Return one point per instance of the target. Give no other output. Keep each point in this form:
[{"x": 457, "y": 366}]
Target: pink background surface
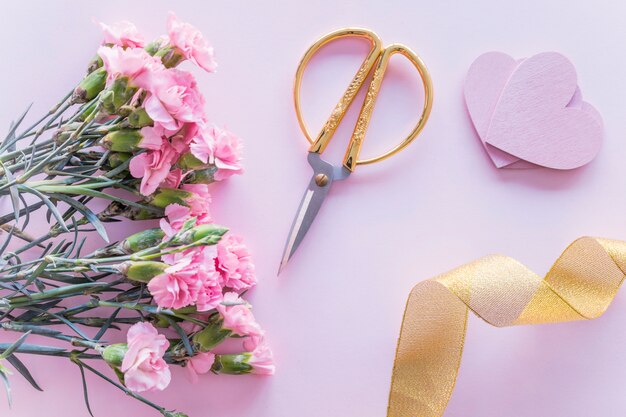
[{"x": 334, "y": 315}]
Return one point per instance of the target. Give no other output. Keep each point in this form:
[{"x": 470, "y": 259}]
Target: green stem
[
  {"x": 53, "y": 334},
  {"x": 69, "y": 290},
  {"x": 150, "y": 309},
  {"x": 37, "y": 168},
  {"x": 120, "y": 386},
  {"x": 55, "y": 112},
  {"x": 26, "y": 150},
  {"x": 8, "y": 217}
]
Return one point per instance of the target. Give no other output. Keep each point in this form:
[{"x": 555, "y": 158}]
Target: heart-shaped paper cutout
[{"x": 530, "y": 112}]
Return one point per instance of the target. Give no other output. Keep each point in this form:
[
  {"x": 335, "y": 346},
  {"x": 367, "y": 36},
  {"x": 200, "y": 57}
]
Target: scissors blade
[{"x": 309, "y": 207}]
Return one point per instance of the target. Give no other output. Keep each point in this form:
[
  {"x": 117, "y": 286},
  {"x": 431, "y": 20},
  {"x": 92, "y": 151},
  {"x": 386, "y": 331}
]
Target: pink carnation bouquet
[{"x": 132, "y": 139}]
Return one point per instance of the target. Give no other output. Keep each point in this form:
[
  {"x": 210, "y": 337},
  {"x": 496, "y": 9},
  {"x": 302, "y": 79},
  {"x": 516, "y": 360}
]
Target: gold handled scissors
[{"x": 324, "y": 174}]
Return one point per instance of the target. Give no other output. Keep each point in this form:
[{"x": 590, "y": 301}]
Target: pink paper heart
[{"x": 530, "y": 112}]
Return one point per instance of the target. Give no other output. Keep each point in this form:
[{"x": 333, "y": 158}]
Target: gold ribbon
[{"x": 580, "y": 285}]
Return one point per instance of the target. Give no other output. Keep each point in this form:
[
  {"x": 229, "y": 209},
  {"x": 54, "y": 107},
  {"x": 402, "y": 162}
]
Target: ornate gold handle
[
  {"x": 377, "y": 58},
  {"x": 319, "y": 144},
  {"x": 350, "y": 160}
]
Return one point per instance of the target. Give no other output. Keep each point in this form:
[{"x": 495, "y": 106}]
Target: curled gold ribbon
[{"x": 580, "y": 286}]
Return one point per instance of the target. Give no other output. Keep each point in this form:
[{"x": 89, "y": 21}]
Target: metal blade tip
[{"x": 282, "y": 265}]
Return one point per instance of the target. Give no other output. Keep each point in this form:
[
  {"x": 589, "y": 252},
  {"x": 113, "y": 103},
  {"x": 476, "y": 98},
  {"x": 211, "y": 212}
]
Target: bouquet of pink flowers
[{"x": 133, "y": 133}]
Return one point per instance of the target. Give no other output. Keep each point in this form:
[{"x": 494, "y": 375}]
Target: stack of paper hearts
[{"x": 530, "y": 112}]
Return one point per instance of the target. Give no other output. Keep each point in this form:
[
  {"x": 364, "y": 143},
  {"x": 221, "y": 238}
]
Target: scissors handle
[
  {"x": 365, "y": 115},
  {"x": 360, "y": 129},
  {"x": 377, "y": 58},
  {"x": 329, "y": 128}
]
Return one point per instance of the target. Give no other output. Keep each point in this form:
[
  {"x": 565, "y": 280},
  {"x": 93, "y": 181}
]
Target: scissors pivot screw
[{"x": 321, "y": 180}]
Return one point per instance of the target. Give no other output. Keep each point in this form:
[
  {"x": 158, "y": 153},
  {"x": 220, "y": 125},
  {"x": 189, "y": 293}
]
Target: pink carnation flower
[
  {"x": 124, "y": 34},
  {"x": 191, "y": 280},
  {"x": 237, "y": 316},
  {"x": 199, "y": 203},
  {"x": 177, "y": 287},
  {"x": 198, "y": 206},
  {"x": 181, "y": 139},
  {"x": 219, "y": 147},
  {"x": 199, "y": 364},
  {"x": 209, "y": 293},
  {"x": 250, "y": 343},
  {"x": 175, "y": 216},
  {"x": 143, "y": 365},
  {"x": 153, "y": 167},
  {"x": 235, "y": 263},
  {"x": 155, "y": 137},
  {"x": 262, "y": 359},
  {"x": 130, "y": 62},
  {"x": 173, "y": 98},
  {"x": 190, "y": 42},
  {"x": 173, "y": 179},
  {"x": 152, "y": 137}
]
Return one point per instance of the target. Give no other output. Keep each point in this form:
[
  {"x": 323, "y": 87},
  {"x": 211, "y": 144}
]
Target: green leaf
[
  {"x": 85, "y": 392},
  {"x": 69, "y": 324},
  {"x": 9, "y": 140},
  {"x": 30, "y": 314},
  {"x": 75, "y": 289},
  {"x": 26, "y": 211},
  {"x": 7, "y": 240},
  {"x": 106, "y": 325},
  {"x": 180, "y": 332},
  {"x": 23, "y": 370},
  {"x": 49, "y": 204},
  {"x": 57, "y": 249},
  {"x": 14, "y": 346},
  {"x": 36, "y": 349},
  {"x": 80, "y": 247},
  {"x": 40, "y": 268},
  {"x": 66, "y": 253},
  {"x": 15, "y": 195},
  {"x": 7, "y": 386},
  {"x": 31, "y": 158},
  {"x": 85, "y": 211},
  {"x": 78, "y": 190}
]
